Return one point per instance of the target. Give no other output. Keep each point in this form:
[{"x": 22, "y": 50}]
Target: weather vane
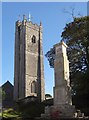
[{"x": 30, "y": 17}]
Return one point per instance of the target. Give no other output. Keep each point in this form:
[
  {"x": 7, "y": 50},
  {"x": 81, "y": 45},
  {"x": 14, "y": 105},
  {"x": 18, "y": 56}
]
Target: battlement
[{"x": 29, "y": 23}]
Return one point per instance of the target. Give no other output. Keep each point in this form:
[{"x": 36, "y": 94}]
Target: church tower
[{"x": 28, "y": 65}]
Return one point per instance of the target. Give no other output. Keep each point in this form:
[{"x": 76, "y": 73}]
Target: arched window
[
  {"x": 34, "y": 87},
  {"x": 33, "y": 39}
]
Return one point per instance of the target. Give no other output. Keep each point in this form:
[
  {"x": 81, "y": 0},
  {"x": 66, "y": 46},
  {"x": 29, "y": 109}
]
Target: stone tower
[{"x": 28, "y": 66}]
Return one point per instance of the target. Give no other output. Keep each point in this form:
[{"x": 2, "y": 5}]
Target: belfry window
[
  {"x": 34, "y": 39},
  {"x": 34, "y": 87}
]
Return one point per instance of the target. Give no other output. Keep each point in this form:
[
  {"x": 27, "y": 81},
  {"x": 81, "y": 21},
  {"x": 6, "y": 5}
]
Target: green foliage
[
  {"x": 10, "y": 113},
  {"x": 31, "y": 109},
  {"x": 76, "y": 36},
  {"x": 51, "y": 56},
  {"x": 2, "y": 94}
]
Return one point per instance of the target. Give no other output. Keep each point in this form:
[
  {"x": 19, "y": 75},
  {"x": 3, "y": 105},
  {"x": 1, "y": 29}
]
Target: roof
[{"x": 7, "y": 84}]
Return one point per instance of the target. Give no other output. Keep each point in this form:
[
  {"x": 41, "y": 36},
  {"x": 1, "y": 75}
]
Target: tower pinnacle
[
  {"x": 40, "y": 23},
  {"x": 24, "y": 17}
]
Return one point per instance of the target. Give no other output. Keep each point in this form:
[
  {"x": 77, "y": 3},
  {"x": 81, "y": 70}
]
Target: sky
[{"x": 53, "y": 16}]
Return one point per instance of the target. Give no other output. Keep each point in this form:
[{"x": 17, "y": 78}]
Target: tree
[
  {"x": 51, "y": 56},
  {"x": 76, "y": 36},
  {"x": 47, "y": 96}
]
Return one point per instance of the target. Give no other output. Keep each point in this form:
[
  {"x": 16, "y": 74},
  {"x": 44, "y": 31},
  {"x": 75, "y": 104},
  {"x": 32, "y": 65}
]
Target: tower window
[
  {"x": 34, "y": 87},
  {"x": 34, "y": 39}
]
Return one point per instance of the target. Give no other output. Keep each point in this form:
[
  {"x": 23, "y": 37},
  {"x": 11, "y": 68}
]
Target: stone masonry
[
  {"x": 28, "y": 65},
  {"x": 62, "y": 89},
  {"x": 62, "y": 106}
]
